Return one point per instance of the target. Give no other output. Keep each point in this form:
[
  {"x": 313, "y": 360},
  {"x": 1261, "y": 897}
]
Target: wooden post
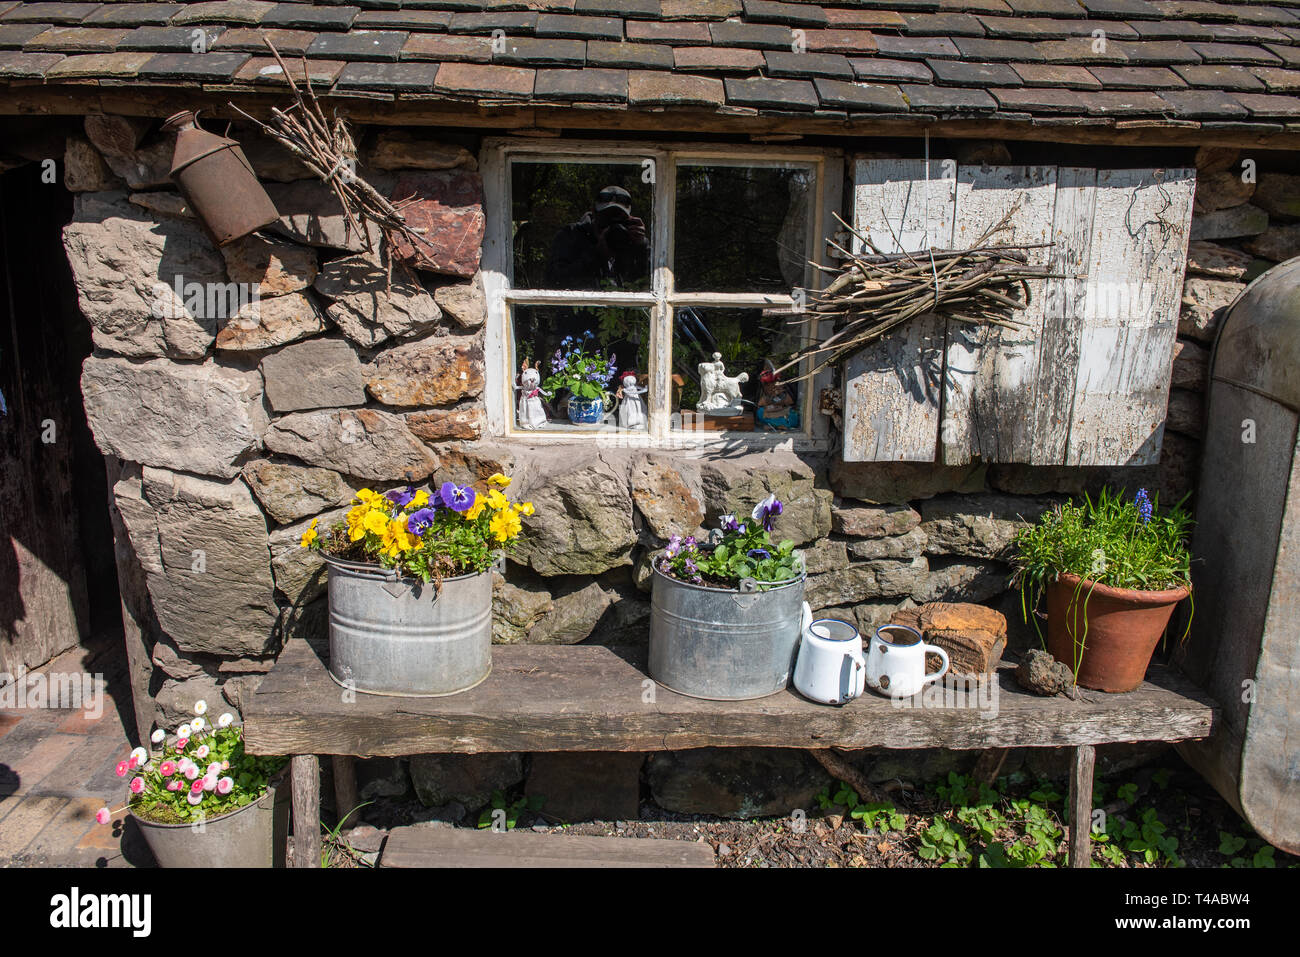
[
  {"x": 1081, "y": 805},
  {"x": 306, "y": 811},
  {"x": 345, "y": 787}
]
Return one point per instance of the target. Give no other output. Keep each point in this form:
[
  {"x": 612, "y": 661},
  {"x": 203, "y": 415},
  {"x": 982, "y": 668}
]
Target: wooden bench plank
[
  {"x": 461, "y": 847},
  {"x": 592, "y": 698}
]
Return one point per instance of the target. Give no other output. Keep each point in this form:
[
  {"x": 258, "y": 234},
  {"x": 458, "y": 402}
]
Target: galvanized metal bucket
[
  {"x": 725, "y": 645},
  {"x": 394, "y": 635},
  {"x": 253, "y": 836}
]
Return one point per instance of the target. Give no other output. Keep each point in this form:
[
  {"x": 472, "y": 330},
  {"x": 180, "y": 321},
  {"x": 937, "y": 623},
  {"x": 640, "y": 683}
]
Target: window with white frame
[{"x": 652, "y": 291}]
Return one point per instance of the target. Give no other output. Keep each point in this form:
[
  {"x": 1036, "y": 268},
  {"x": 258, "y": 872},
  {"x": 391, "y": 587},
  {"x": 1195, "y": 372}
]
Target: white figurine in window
[
  {"x": 631, "y": 407},
  {"x": 719, "y": 392},
  {"x": 532, "y": 406}
]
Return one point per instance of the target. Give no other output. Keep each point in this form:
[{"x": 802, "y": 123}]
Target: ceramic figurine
[
  {"x": 719, "y": 392},
  {"x": 532, "y": 404},
  {"x": 631, "y": 407},
  {"x": 776, "y": 406}
]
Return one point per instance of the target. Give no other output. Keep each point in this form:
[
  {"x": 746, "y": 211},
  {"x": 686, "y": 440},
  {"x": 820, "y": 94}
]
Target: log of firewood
[{"x": 974, "y": 636}]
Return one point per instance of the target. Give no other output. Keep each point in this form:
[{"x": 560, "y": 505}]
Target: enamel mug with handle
[
  {"x": 831, "y": 667},
  {"x": 896, "y": 661}
]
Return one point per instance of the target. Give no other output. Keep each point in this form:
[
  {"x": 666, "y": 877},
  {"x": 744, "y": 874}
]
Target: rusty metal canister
[{"x": 217, "y": 180}]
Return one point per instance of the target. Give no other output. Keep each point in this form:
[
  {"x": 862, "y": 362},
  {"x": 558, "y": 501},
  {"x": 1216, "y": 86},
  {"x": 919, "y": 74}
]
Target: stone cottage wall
[{"x": 236, "y": 427}]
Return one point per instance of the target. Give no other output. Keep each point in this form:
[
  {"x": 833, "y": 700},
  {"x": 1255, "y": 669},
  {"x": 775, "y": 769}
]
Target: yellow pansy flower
[
  {"x": 355, "y": 519},
  {"x": 397, "y": 539},
  {"x": 421, "y": 499},
  {"x": 475, "y": 510},
  {"x": 309, "y": 536},
  {"x": 505, "y": 525},
  {"x": 525, "y": 508},
  {"x": 375, "y": 521},
  {"x": 366, "y": 496},
  {"x": 496, "y": 501},
  {"x": 499, "y": 479}
]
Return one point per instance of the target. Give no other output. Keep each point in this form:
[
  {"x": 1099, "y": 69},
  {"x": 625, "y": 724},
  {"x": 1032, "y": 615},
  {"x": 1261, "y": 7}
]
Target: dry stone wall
[{"x": 241, "y": 419}]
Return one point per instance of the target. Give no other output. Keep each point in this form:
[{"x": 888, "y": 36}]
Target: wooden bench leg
[
  {"x": 345, "y": 788},
  {"x": 1081, "y": 766},
  {"x": 306, "y": 811}
]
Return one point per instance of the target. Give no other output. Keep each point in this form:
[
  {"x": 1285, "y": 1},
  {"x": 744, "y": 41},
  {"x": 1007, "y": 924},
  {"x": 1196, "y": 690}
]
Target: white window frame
[{"x": 659, "y": 301}]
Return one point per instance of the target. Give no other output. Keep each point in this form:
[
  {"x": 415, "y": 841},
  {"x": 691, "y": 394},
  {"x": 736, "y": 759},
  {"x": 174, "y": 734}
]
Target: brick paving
[{"x": 57, "y": 768}]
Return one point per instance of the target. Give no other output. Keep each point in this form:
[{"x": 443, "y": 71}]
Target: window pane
[
  {"x": 742, "y": 228},
  {"x": 749, "y": 345},
  {"x": 613, "y": 343},
  {"x": 581, "y": 225}
]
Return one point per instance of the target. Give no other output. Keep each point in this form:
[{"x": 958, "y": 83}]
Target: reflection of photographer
[{"x": 607, "y": 243}]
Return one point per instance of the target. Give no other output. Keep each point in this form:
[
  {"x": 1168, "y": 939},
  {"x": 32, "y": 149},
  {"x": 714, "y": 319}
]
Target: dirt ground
[{"x": 1197, "y": 827}]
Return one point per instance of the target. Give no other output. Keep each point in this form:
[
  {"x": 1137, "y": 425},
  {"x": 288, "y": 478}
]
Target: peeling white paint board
[
  {"x": 990, "y": 379},
  {"x": 1135, "y": 267},
  {"x": 892, "y": 388},
  {"x": 1064, "y": 301}
]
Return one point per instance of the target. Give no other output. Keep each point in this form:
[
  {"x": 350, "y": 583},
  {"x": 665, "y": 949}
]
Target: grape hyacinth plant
[
  {"x": 430, "y": 534},
  {"x": 579, "y": 367},
  {"x": 735, "y": 551},
  {"x": 201, "y": 773},
  {"x": 1115, "y": 541}
]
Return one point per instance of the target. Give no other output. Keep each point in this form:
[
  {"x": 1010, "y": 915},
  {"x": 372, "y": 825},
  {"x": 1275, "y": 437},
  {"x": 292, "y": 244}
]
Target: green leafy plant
[
  {"x": 1111, "y": 541},
  {"x": 512, "y": 809},
  {"x": 579, "y": 367},
  {"x": 334, "y": 843},
  {"x": 737, "y": 551}
]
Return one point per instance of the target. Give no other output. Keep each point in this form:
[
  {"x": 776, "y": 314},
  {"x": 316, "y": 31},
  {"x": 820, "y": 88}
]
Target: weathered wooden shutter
[{"x": 1086, "y": 381}]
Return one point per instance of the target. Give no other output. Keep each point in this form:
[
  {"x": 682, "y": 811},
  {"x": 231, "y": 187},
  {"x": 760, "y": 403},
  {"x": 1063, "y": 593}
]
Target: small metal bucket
[
  {"x": 394, "y": 635},
  {"x": 218, "y": 181},
  {"x": 253, "y": 836},
  {"x": 725, "y": 645}
]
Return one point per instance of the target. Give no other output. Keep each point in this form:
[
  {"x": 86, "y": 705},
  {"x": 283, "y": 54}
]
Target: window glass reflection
[
  {"x": 581, "y": 226},
  {"x": 741, "y": 228},
  {"x": 724, "y": 370}
]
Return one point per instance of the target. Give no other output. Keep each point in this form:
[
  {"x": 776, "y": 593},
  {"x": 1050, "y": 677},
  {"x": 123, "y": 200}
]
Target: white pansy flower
[{"x": 200, "y": 707}]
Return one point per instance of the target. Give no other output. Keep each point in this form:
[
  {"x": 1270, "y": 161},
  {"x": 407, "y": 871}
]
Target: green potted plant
[
  {"x": 1111, "y": 572},
  {"x": 725, "y": 614},
  {"x": 202, "y": 801},
  {"x": 410, "y": 585},
  {"x": 580, "y": 369}
]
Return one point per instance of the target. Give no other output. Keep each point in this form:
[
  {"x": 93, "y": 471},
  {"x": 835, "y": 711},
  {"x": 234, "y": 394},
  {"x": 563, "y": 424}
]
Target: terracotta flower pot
[{"x": 1117, "y": 627}]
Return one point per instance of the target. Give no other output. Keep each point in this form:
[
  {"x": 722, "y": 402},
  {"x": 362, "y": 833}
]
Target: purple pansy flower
[
  {"x": 767, "y": 510},
  {"x": 419, "y": 522},
  {"x": 458, "y": 498},
  {"x": 758, "y": 553},
  {"x": 401, "y": 497},
  {"x": 728, "y": 523}
]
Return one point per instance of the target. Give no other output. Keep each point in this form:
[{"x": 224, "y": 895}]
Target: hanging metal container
[
  {"x": 400, "y": 636},
  {"x": 217, "y": 180},
  {"x": 723, "y": 644}
]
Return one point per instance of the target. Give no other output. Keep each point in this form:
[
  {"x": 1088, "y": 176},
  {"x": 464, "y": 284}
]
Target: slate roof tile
[
  {"x": 444, "y": 48},
  {"x": 981, "y": 50},
  {"x": 1056, "y": 75},
  {"x": 537, "y": 51},
  {"x": 678, "y": 34},
  {"x": 791, "y": 14},
  {"x": 16, "y": 34},
  {"x": 585, "y": 28},
  {"x": 310, "y": 16},
  {"x": 359, "y": 45},
  {"x": 50, "y": 12},
  {"x": 478, "y": 79},
  {"x": 193, "y": 66},
  {"x": 433, "y": 20},
  {"x": 1197, "y": 104},
  {"x": 18, "y": 65},
  {"x": 389, "y": 77},
  {"x": 917, "y": 48},
  {"x": 174, "y": 39},
  {"x": 1278, "y": 80},
  {"x": 75, "y": 40},
  {"x": 777, "y": 94},
  {"x": 96, "y": 65},
  {"x": 869, "y": 97},
  {"x": 1235, "y": 53},
  {"x": 223, "y": 11},
  {"x": 718, "y": 60},
  {"x": 839, "y": 41},
  {"x": 729, "y": 33},
  {"x": 943, "y": 100},
  {"x": 249, "y": 40},
  {"x": 1263, "y": 104},
  {"x": 511, "y": 23},
  {"x": 589, "y": 85},
  {"x": 640, "y": 56},
  {"x": 647, "y": 88},
  {"x": 808, "y": 64},
  {"x": 130, "y": 15},
  {"x": 943, "y": 25},
  {"x": 878, "y": 68},
  {"x": 1219, "y": 76},
  {"x": 966, "y": 73}
]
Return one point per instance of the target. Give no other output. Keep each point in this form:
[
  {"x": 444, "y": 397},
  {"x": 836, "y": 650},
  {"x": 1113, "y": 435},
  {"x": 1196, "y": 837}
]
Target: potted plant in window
[
  {"x": 410, "y": 586},
  {"x": 1112, "y": 571},
  {"x": 725, "y": 615},
  {"x": 202, "y": 801},
  {"x": 580, "y": 369}
]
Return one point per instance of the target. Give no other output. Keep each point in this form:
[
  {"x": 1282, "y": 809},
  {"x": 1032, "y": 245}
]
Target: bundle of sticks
[
  {"x": 874, "y": 293},
  {"x": 329, "y": 151}
]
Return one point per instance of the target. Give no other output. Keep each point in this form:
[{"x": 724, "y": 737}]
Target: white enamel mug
[
  {"x": 896, "y": 661},
  {"x": 831, "y": 667}
]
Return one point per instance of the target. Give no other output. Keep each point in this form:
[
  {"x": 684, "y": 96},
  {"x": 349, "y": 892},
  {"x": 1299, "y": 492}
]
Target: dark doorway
[{"x": 58, "y": 578}]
